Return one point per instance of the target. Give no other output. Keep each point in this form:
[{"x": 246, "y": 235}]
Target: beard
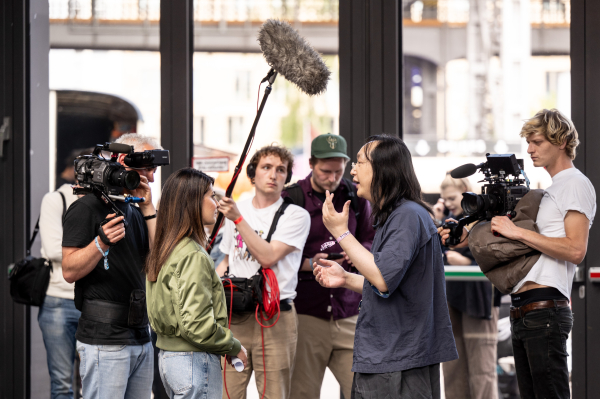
[{"x": 332, "y": 188}]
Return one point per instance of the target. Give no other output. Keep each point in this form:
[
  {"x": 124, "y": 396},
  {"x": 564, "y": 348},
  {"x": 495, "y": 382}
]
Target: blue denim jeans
[
  {"x": 58, "y": 321},
  {"x": 191, "y": 374},
  {"x": 116, "y": 371},
  {"x": 540, "y": 347}
]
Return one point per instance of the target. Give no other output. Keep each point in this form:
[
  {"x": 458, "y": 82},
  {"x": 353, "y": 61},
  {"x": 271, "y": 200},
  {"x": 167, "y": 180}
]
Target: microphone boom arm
[{"x": 271, "y": 79}]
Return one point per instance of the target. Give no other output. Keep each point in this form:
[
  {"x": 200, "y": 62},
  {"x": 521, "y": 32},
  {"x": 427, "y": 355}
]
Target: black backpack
[
  {"x": 29, "y": 278},
  {"x": 296, "y": 194}
]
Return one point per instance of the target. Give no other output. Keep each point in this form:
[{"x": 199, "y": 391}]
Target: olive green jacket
[{"x": 186, "y": 304}]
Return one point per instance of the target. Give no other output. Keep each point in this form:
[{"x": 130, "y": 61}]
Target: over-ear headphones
[{"x": 251, "y": 170}]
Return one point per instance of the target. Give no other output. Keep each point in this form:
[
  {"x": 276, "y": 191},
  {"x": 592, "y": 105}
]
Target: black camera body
[
  {"x": 109, "y": 176},
  {"x": 504, "y": 188}
]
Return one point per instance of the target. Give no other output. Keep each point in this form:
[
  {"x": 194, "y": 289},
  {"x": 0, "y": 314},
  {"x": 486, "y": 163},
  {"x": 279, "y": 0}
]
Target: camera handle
[
  {"x": 456, "y": 229},
  {"x": 101, "y": 195}
]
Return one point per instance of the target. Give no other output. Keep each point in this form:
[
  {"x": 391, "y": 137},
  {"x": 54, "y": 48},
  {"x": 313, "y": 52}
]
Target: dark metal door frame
[
  {"x": 176, "y": 77},
  {"x": 14, "y": 192},
  {"x": 585, "y": 100},
  {"x": 370, "y": 51}
]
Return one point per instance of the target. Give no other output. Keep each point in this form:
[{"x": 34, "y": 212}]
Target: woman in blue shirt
[{"x": 403, "y": 331}]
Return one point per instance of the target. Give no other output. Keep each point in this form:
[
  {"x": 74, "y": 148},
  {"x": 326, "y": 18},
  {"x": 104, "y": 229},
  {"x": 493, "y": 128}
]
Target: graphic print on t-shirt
[{"x": 241, "y": 249}]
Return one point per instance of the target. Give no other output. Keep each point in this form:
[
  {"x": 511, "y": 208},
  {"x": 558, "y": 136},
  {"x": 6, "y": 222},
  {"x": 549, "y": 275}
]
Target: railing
[
  {"x": 204, "y": 10},
  {"x": 464, "y": 273},
  {"x": 543, "y": 12}
]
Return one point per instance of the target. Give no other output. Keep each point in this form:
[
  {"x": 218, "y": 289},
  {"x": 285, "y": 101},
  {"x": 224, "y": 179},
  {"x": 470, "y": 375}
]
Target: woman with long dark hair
[
  {"x": 186, "y": 301},
  {"x": 403, "y": 331}
]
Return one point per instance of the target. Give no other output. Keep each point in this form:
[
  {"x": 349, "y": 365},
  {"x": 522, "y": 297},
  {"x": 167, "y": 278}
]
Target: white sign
[{"x": 214, "y": 164}]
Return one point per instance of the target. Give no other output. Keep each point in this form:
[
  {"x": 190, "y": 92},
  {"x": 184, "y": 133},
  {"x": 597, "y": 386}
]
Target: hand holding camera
[
  {"x": 143, "y": 191},
  {"x": 113, "y": 229},
  {"x": 502, "y": 225},
  {"x": 504, "y": 188},
  {"x": 451, "y": 235}
]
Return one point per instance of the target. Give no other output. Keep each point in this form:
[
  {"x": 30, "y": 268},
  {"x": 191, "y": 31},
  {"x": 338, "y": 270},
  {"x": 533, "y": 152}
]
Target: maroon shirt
[{"x": 312, "y": 299}]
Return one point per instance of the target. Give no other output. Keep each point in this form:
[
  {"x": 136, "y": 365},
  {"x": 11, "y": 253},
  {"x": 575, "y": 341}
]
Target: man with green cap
[{"x": 326, "y": 317}]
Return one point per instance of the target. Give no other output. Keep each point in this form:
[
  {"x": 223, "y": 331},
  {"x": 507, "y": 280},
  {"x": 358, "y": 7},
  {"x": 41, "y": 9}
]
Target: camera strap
[
  {"x": 286, "y": 202},
  {"x": 36, "y": 229}
]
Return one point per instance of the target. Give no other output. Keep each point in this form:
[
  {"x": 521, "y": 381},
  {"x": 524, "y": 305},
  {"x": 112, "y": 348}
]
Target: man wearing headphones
[{"x": 270, "y": 350}]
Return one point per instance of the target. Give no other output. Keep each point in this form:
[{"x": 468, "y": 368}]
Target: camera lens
[
  {"x": 125, "y": 178},
  {"x": 471, "y": 203},
  {"x": 131, "y": 180}
]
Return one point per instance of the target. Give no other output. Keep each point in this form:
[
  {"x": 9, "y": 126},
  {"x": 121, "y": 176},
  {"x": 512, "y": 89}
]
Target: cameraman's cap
[{"x": 329, "y": 146}]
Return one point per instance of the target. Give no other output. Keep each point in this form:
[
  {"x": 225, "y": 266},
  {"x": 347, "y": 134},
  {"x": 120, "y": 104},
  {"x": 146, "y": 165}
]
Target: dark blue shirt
[{"x": 409, "y": 325}]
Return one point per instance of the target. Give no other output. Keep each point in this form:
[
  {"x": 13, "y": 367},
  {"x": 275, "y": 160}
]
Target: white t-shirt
[
  {"x": 51, "y": 231},
  {"x": 571, "y": 190},
  {"x": 292, "y": 229}
]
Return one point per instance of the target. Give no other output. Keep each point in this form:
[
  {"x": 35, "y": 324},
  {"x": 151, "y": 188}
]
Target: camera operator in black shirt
[{"x": 113, "y": 336}]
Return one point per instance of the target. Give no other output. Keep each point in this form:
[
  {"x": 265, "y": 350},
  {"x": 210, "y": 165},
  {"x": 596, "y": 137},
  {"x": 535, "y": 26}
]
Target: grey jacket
[{"x": 505, "y": 262}]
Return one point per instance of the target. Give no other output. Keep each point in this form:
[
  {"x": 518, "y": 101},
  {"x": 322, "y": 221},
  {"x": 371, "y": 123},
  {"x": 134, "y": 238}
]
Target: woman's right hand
[
  {"x": 243, "y": 356},
  {"x": 332, "y": 275}
]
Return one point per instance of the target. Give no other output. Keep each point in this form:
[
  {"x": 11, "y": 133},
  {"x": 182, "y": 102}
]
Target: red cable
[
  {"x": 270, "y": 298},
  {"x": 228, "y": 326},
  {"x": 271, "y": 307}
]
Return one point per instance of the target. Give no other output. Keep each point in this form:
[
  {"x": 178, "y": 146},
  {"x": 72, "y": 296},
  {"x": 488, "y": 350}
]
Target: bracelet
[
  {"x": 238, "y": 220},
  {"x": 104, "y": 254},
  {"x": 340, "y": 238},
  {"x": 150, "y": 216},
  {"x": 310, "y": 261}
]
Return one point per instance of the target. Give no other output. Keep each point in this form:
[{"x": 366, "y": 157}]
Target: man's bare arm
[
  {"x": 571, "y": 248},
  {"x": 79, "y": 262},
  {"x": 222, "y": 267}
]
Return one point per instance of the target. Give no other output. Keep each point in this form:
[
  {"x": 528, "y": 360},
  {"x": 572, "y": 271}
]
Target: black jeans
[
  {"x": 417, "y": 383},
  {"x": 540, "y": 348}
]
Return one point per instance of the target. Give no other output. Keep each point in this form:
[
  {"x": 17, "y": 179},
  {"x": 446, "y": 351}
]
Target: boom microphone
[
  {"x": 120, "y": 148},
  {"x": 291, "y": 56},
  {"x": 464, "y": 171}
]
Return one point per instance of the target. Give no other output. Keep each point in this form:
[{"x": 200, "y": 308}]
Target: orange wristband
[{"x": 238, "y": 220}]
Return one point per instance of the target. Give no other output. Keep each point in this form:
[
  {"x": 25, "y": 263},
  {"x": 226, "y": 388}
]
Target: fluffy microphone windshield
[{"x": 291, "y": 56}]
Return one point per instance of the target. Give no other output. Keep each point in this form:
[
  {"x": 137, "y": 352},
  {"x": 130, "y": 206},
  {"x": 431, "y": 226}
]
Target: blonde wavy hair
[
  {"x": 463, "y": 185},
  {"x": 556, "y": 128}
]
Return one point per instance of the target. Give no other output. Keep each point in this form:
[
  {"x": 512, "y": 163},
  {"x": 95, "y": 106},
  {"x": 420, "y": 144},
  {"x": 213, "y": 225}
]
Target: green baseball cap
[{"x": 329, "y": 146}]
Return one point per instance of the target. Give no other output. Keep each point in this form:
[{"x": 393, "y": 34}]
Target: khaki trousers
[
  {"x": 321, "y": 344},
  {"x": 280, "y": 352},
  {"x": 473, "y": 374}
]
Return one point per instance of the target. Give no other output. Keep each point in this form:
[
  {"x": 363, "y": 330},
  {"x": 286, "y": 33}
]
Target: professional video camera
[
  {"x": 106, "y": 178},
  {"x": 499, "y": 195},
  {"x": 95, "y": 171}
]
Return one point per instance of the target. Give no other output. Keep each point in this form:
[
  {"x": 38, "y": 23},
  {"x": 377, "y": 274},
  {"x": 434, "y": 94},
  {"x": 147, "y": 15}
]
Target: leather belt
[
  {"x": 285, "y": 304},
  {"x": 517, "y": 313}
]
